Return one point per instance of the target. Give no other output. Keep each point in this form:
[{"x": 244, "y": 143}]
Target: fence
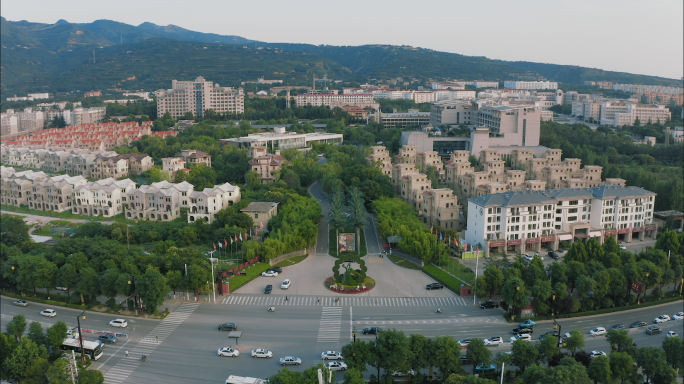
[{"x": 284, "y": 256}]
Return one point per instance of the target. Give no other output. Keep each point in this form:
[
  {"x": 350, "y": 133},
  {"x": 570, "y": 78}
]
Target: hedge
[
  {"x": 252, "y": 273},
  {"x": 44, "y": 301},
  {"x": 448, "y": 280}
]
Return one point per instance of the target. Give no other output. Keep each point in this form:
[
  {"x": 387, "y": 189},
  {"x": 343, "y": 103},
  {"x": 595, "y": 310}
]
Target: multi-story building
[
  {"x": 337, "y": 100},
  {"x": 195, "y": 157},
  {"x": 531, "y": 84},
  {"x": 380, "y": 158},
  {"x": 627, "y": 113},
  {"x": 88, "y": 115},
  {"x": 16, "y": 187},
  {"x": 529, "y": 220},
  {"x": 54, "y": 193},
  {"x": 267, "y": 166},
  {"x": 9, "y": 124},
  {"x": 279, "y": 139},
  {"x": 261, "y": 212},
  {"x": 425, "y": 160},
  {"x": 198, "y": 96},
  {"x": 204, "y": 204},
  {"x": 172, "y": 164},
  {"x": 440, "y": 208},
  {"x": 407, "y": 155},
  {"x": 453, "y": 112},
  {"x": 51, "y": 114},
  {"x": 506, "y": 125},
  {"x": 106, "y": 197},
  {"x": 160, "y": 201},
  {"x": 401, "y": 119},
  {"x": 30, "y": 120}
]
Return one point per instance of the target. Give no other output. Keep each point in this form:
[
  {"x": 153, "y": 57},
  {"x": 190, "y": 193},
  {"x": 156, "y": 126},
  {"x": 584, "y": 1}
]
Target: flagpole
[{"x": 477, "y": 259}]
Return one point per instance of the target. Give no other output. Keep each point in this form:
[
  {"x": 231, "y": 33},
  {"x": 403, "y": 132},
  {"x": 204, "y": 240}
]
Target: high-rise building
[{"x": 198, "y": 96}]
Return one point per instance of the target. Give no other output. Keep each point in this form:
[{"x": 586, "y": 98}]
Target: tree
[
  {"x": 523, "y": 353},
  {"x": 358, "y": 354},
  {"x": 253, "y": 178},
  {"x": 477, "y": 353},
  {"x": 674, "y": 352},
  {"x": 422, "y": 351},
  {"x": 651, "y": 360},
  {"x": 67, "y": 277},
  {"x": 36, "y": 333},
  {"x": 286, "y": 376},
  {"x": 548, "y": 349},
  {"x": 7, "y": 346},
  {"x": 35, "y": 371},
  {"x": 336, "y": 217},
  {"x": 668, "y": 241},
  {"x": 14, "y": 231},
  {"x": 358, "y": 214},
  {"x": 197, "y": 277},
  {"x": 619, "y": 339},
  {"x": 17, "y": 326},
  {"x": 447, "y": 353},
  {"x": 56, "y": 335},
  {"x": 494, "y": 278},
  {"x": 152, "y": 288},
  {"x": 90, "y": 376},
  {"x": 599, "y": 370},
  {"x": 20, "y": 365},
  {"x": 621, "y": 366},
  {"x": 392, "y": 351},
  {"x": 353, "y": 376},
  {"x": 109, "y": 282},
  {"x": 174, "y": 279},
  {"x": 575, "y": 341},
  {"x": 59, "y": 373}
]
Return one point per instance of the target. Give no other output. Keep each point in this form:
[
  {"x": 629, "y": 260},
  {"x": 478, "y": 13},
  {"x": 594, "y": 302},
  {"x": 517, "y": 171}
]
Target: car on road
[
  {"x": 554, "y": 255},
  {"x": 107, "y": 338},
  {"x": 566, "y": 336},
  {"x": 21, "y": 303},
  {"x": 638, "y": 324},
  {"x": 528, "y": 324},
  {"x": 262, "y": 353},
  {"x": 623, "y": 247},
  {"x": 496, "y": 340},
  {"x": 230, "y": 352},
  {"x": 372, "y": 330},
  {"x": 285, "y": 284},
  {"x": 678, "y": 316},
  {"x": 598, "y": 331},
  {"x": 269, "y": 273},
  {"x": 652, "y": 330},
  {"x": 49, "y": 313},
  {"x": 661, "y": 319},
  {"x": 529, "y": 257},
  {"x": 595, "y": 354},
  {"x": 520, "y": 331},
  {"x": 618, "y": 326},
  {"x": 119, "y": 323},
  {"x": 432, "y": 286},
  {"x": 671, "y": 334},
  {"x": 547, "y": 334},
  {"x": 227, "y": 327},
  {"x": 410, "y": 372},
  {"x": 331, "y": 355},
  {"x": 523, "y": 337},
  {"x": 290, "y": 360},
  {"x": 482, "y": 369},
  {"x": 277, "y": 269},
  {"x": 489, "y": 304},
  {"x": 464, "y": 359},
  {"x": 61, "y": 288},
  {"x": 464, "y": 342},
  {"x": 268, "y": 289},
  {"x": 336, "y": 366}
]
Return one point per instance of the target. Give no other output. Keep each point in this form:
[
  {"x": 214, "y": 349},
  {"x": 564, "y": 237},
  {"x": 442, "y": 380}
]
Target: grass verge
[
  {"x": 291, "y": 261},
  {"x": 457, "y": 269},
  {"x": 252, "y": 273},
  {"x": 332, "y": 249},
  {"x": 448, "y": 280},
  {"x": 400, "y": 261}
]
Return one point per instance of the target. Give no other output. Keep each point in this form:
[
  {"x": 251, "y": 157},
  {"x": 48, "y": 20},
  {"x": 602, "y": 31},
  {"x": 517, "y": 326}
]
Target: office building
[
  {"x": 198, "y": 96},
  {"x": 279, "y": 139},
  {"x": 531, "y": 84}
]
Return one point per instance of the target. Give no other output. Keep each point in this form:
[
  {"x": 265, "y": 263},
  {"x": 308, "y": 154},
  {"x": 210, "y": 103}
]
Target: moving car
[
  {"x": 638, "y": 324},
  {"x": 482, "y": 369},
  {"x": 285, "y": 284},
  {"x": 623, "y": 247},
  {"x": 21, "y": 303},
  {"x": 61, "y": 288},
  {"x": 227, "y": 327},
  {"x": 230, "y": 352},
  {"x": 489, "y": 304},
  {"x": 120, "y": 323},
  {"x": 410, "y": 372},
  {"x": 595, "y": 354},
  {"x": 652, "y": 330},
  {"x": 464, "y": 342},
  {"x": 496, "y": 340},
  {"x": 262, "y": 353},
  {"x": 49, "y": 312},
  {"x": 547, "y": 334},
  {"x": 661, "y": 319},
  {"x": 554, "y": 255},
  {"x": 671, "y": 334},
  {"x": 618, "y": 326},
  {"x": 678, "y": 316},
  {"x": 520, "y": 337},
  {"x": 528, "y": 324},
  {"x": 432, "y": 286},
  {"x": 107, "y": 338},
  {"x": 269, "y": 273},
  {"x": 336, "y": 366},
  {"x": 290, "y": 360},
  {"x": 268, "y": 289},
  {"x": 372, "y": 330},
  {"x": 520, "y": 331},
  {"x": 331, "y": 355},
  {"x": 598, "y": 331}
]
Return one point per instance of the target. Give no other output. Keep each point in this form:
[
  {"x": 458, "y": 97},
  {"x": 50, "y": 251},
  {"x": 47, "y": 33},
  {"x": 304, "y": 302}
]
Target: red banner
[
  {"x": 610, "y": 232},
  {"x": 637, "y": 229},
  {"x": 637, "y": 286},
  {"x": 532, "y": 240},
  {"x": 515, "y": 242},
  {"x": 499, "y": 243},
  {"x": 548, "y": 238},
  {"x": 623, "y": 231},
  {"x": 650, "y": 228}
]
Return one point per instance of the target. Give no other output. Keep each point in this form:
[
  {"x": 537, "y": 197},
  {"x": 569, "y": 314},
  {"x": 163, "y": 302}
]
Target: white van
[{"x": 243, "y": 380}]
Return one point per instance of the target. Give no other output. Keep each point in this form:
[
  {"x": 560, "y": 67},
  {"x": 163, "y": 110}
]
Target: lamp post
[
  {"x": 80, "y": 335},
  {"x": 213, "y": 280},
  {"x": 132, "y": 282},
  {"x": 557, "y": 325}
]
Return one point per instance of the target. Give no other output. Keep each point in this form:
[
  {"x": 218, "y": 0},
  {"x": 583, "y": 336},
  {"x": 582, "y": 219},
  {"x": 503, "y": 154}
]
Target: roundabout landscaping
[{"x": 367, "y": 285}]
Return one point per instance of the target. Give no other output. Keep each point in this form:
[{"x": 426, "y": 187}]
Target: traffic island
[{"x": 332, "y": 285}]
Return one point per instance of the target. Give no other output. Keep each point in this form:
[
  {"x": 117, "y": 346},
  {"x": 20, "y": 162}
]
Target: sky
[{"x": 635, "y": 36}]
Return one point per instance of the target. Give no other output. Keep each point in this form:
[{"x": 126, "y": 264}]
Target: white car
[
  {"x": 49, "y": 313},
  {"x": 61, "y": 288},
  {"x": 529, "y": 257},
  {"x": 269, "y": 273},
  {"x": 623, "y": 247},
  {"x": 496, "y": 340},
  {"x": 228, "y": 352},
  {"x": 661, "y": 319},
  {"x": 410, "y": 372},
  {"x": 285, "y": 284},
  {"x": 73, "y": 333},
  {"x": 262, "y": 353},
  {"x": 678, "y": 316},
  {"x": 598, "y": 331},
  {"x": 336, "y": 366},
  {"x": 119, "y": 323},
  {"x": 331, "y": 355},
  {"x": 524, "y": 336},
  {"x": 672, "y": 334},
  {"x": 595, "y": 354}
]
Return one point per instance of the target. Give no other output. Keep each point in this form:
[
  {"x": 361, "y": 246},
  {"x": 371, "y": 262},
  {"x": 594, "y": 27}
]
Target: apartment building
[
  {"x": 54, "y": 193},
  {"x": 120, "y": 166},
  {"x": 198, "y": 96},
  {"x": 506, "y": 125},
  {"x": 90, "y": 115},
  {"x": 634, "y": 88},
  {"x": 380, "y": 158},
  {"x": 336, "y": 100},
  {"x": 425, "y": 160},
  {"x": 52, "y": 114},
  {"x": 407, "y": 155},
  {"x": 106, "y": 197},
  {"x": 9, "y": 124},
  {"x": 529, "y": 220},
  {"x": 205, "y": 204},
  {"x": 172, "y": 164},
  {"x": 453, "y": 112},
  {"x": 16, "y": 187},
  {"x": 401, "y": 119},
  {"x": 618, "y": 113},
  {"x": 194, "y": 157},
  {"x": 160, "y": 201},
  {"x": 530, "y": 84},
  {"x": 440, "y": 207},
  {"x": 267, "y": 166}
]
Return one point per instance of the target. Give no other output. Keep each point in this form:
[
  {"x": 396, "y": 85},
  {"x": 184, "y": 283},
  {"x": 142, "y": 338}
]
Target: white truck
[{"x": 243, "y": 380}]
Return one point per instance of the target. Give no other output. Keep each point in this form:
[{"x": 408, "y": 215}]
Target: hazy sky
[{"x": 642, "y": 37}]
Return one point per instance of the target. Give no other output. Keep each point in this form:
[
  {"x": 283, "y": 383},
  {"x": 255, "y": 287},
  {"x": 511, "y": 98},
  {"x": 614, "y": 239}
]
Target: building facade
[{"x": 198, "y": 96}]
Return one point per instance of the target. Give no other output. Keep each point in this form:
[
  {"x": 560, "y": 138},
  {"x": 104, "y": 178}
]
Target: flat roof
[
  {"x": 259, "y": 206},
  {"x": 527, "y": 197}
]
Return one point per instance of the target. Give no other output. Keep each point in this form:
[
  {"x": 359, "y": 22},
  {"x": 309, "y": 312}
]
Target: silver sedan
[{"x": 290, "y": 360}]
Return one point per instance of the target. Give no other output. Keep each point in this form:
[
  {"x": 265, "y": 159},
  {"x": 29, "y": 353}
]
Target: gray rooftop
[
  {"x": 259, "y": 206},
  {"x": 552, "y": 196}
]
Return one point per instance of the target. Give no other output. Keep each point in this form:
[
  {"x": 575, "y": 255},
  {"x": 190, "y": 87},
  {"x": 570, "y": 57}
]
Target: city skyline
[{"x": 596, "y": 35}]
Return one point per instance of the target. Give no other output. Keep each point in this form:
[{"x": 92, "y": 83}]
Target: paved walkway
[{"x": 345, "y": 300}]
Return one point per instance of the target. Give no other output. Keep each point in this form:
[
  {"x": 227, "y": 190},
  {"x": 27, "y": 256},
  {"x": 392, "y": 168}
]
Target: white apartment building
[
  {"x": 280, "y": 139},
  {"x": 523, "y": 221},
  {"x": 633, "y": 88},
  {"x": 453, "y": 112},
  {"x": 198, "y": 96},
  {"x": 620, "y": 113},
  {"x": 105, "y": 197},
  {"x": 143, "y": 95},
  {"x": 160, "y": 201},
  {"x": 9, "y": 124},
  {"x": 506, "y": 125},
  {"x": 51, "y": 114},
  {"x": 204, "y": 204},
  {"x": 88, "y": 115},
  {"x": 54, "y": 193},
  {"x": 333, "y": 100},
  {"x": 530, "y": 84},
  {"x": 30, "y": 120},
  {"x": 38, "y": 96}
]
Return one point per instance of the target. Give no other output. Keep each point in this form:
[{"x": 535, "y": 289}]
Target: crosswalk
[
  {"x": 120, "y": 372},
  {"x": 329, "y": 329},
  {"x": 444, "y": 320},
  {"x": 330, "y": 301}
]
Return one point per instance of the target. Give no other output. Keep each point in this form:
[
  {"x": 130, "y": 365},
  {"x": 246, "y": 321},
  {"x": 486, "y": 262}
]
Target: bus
[
  {"x": 243, "y": 380},
  {"x": 94, "y": 349}
]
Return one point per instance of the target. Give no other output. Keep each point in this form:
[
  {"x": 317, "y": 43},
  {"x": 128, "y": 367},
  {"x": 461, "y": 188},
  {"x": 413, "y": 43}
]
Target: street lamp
[
  {"x": 135, "y": 304},
  {"x": 80, "y": 335},
  {"x": 213, "y": 280},
  {"x": 557, "y": 325}
]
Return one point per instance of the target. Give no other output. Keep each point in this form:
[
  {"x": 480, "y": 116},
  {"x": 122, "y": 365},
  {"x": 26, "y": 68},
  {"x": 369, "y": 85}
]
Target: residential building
[
  {"x": 402, "y": 119},
  {"x": 172, "y": 164},
  {"x": 506, "y": 125},
  {"x": 106, "y": 197},
  {"x": 407, "y": 155},
  {"x": 30, "y": 120},
  {"x": 267, "y": 166},
  {"x": 453, "y": 112},
  {"x": 425, "y": 160},
  {"x": 440, "y": 208},
  {"x": 54, "y": 193},
  {"x": 160, "y": 201},
  {"x": 195, "y": 157},
  {"x": 92, "y": 94},
  {"x": 261, "y": 212},
  {"x": 198, "y": 96},
  {"x": 88, "y": 115},
  {"x": 9, "y": 124},
  {"x": 204, "y": 204},
  {"x": 355, "y": 111},
  {"x": 51, "y": 114},
  {"x": 380, "y": 158},
  {"x": 16, "y": 187},
  {"x": 336, "y": 100},
  {"x": 531, "y": 84},
  {"x": 279, "y": 139},
  {"x": 616, "y": 114},
  {"x": 634, "y": 88}
]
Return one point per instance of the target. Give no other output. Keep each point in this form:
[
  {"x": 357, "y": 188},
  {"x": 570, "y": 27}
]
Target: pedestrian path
[
  {"x": 120, "y": 372},
  {"x": 330, "y": 301}
]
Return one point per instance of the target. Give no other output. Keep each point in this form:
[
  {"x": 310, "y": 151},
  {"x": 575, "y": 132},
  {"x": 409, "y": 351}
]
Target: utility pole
[
  {"x": 72, "y": 367},
  {"x": 213, "y": 280}
]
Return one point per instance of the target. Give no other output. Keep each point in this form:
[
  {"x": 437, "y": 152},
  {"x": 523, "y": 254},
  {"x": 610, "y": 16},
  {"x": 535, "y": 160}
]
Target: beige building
[
  {"x": 204, "y": 204},
  {"x": 16, "y": 187},
  {"x": 195, "y": 157},
  {"x": 197, "y": 97},
  {"x": 159, "y": 201},
  {"x": 380, "y": 159},
  {"x": 54, "y": 193},
  {"x": 105, "y": 197},
  {"x": 172, "y": 164},
  {"x": 440, "y": 208},
  {"x": 261, "y": 212},
  {"x": 120, "y": 166},
  {"x": 407, "y": 155},
  {"x": 267, "y": 166}
]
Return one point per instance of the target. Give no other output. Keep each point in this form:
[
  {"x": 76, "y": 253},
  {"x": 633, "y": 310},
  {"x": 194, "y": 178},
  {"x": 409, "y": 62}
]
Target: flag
[
  {"x": 220, "y": 245},
  {"x": 225, "y": 242},
  {"x": 431, "y": 229},
  {"x": 250, "y": 231},
  {"x": 465, "y": 247},
  {"x": 257, "y": 231},
  {"x": 261, "y": 226},
  {"x": 440, "y": 237},
  {"x": 214, "y": 246},
  {"x": 240, "y": 236},
  {"x": 236, "y": 238},
  {"x": 246, "y": 235},
  {"x": 478, "y": 251},
  {"x": 456, "y": 242},
  {"x": 231, "y": 240}
]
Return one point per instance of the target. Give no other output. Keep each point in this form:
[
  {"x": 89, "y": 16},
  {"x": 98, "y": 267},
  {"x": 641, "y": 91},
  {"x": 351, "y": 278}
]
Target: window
[{"x": 574, "y": 202}]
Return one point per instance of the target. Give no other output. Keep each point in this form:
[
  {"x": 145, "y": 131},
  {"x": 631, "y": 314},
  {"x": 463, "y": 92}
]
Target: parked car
[
  {"x": 521, "y": 331},
  {"x": 410, "y": 372},
  {"x": 290, "y": 360},
  {"x": 107, "y": 338},
  {"x": 496, "y": 340},
  {"x": 671, "y": 334},
  {"x": 230, "y": 352},
  {"x": 61, "y": 288},
  {"x": 262, "y": 353},
  {"x": 554, "y": 255},
  {"x": 336, "y": 366},
  {"x": 528, "y": 324},
  {"x": 372, "y": 330},
  {"x": 489, "y": 304},
  {"x": 227, "y": 327},
  {"x": 464, "y": 342},
  {"x": 529, "y": 257},
  {"x": 598, "y": 331},
  {"x": 661, "y": 319},
  {"x": 524, "y": 337},
  {"x": 432, "y": 286},
  {"x": 49, "y": 313},
  {"x": 269, "y": 273},
  {"x": 277, "y": 269},
  {"x": 618, "y": 326},
  {"x": 595, "y": 354},
  {"x": 331, "y": 355},
  {"x": 464, "y": 359},
  {"x": 652, "y": 330},
  {"x": 21, "y": 303},
  {"x": 482, "y": 369},
  {"x": 285, "y": 284},
  {"x": 638, "y": 324},
  {"x": 268, "y": 289},
  {"x": 119, "y": 323},
  {"x": 678, "y": 316}
]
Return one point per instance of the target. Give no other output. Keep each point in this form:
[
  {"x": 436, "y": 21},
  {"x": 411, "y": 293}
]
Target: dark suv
[
  {"x": 227, "y": 327},
  {"x": 277, "y": 269},
  {"x": 432, "y": 286},
  {"x": 371, "y": 330},
  {"x": 268, "y": 288},
  {"x": 107, "y": 338},
  {"x": 652, "y": 330},
  {"x": 554, "y": 255},
  {"x": 489, "y": 304}
]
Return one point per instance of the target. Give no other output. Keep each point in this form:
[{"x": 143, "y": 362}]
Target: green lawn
[
  {"x": 291, "y": 261},
  {"x": 333, "y": 241},
  {"x": 457, "y": 269},
  {"x": 400, "y": 261},
  {"x": 63, "y": 215},
  {"x": 443, "y": 277},
  {"x": 252, "y": 273}
]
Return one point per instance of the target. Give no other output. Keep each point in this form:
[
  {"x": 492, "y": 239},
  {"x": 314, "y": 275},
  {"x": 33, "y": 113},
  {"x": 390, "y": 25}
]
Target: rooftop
[
  {"x": 259, "y": 206},
  {"x": 551, "y": 196}
]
